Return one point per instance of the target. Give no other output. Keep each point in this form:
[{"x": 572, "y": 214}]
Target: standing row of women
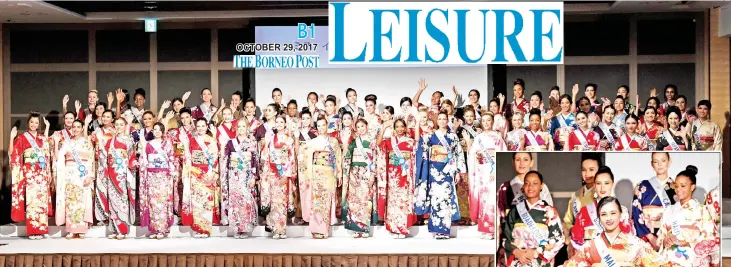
[
  {"x": 214, "y": 168},
  {"x": 665, "y": 226}
]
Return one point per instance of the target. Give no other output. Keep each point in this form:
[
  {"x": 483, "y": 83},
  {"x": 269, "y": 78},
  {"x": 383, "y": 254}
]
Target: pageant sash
[
  {"x": 39, "y": 153},
  {"x": 562, "y": 121},
  {"x": 206, "y": 112},
  {"x": 118, "y": 160},
  {"x": 237, "y": 149},
  {"x": 396, "y": 150},
  {"x": 603, "y": 251},
  {"x": 660, "y": 191},
  {"x": 528, "y": 220},
  {"x": 204, "y": 148},
  {"x": 66, "y": 136},
  {"x": 137, "y": 113},
  {"x": 306, "y": 135},
  {"x": 472, "y": 132},
  {"x": 158, "y": 147},
  {"x": 625, "y": 140},
  {"x": 450, "y": 155},
  {"x": 591, "y": 209},
  {"x": 575, "y": 206},
  {"x": 532, "y": 138},
  {"x": 272, "y": 155},
  {"x": 582, "y": 139},
  {"x": 607, "y": 133},
  {"x": 81, "y": 167},
  {"x": 359, "y": 144},
  {"x": 671, "y": 140},
  {"x": 517, "y": 193}
]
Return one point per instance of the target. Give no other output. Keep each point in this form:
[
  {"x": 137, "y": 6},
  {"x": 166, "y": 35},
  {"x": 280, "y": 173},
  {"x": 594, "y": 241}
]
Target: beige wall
[{"x": 720, "y": 91}]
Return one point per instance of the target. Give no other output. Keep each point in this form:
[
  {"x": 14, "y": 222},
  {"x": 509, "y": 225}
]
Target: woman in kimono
[
  {"x": 31, "y": 178},
  {"x": 608, "y": 133},
  {"x": 652, "y": 198},
  {"x": 333, "y": 118},
  {"x": 57, "y": 140},
  {"x": 440, "y": 165},
  {"x": 302, "y": 135},
  {"x": 157, "y": 174},
  {"x": 481, "y": 169},
  {"x": 118, "y": 178},
  {"x": 359, "y": 187},
  {"x": 563, "y": 123},
  {"x": 199, "y": 176},
  {"x": 631, "y": 140},
  {"x": 621, "y": 115},
  {"x": 239, "y": 172},
  {"x": 180, "y": 138},
  {"x": 533, "y": 228},
  {"x": 277, "y": 174},
  {"x": 587, "y": 225},
  {"x": 582, "y": 138},
  {"x": 687, "y": 230},
  {"x": 74, "y": 184},
  {"x": 372, "y": 117},
  {"x": 395, "y": 171},
  {"x": 510, "y": 192},
  {"x": 675, "y": 137},
  {"x": 250, "y": 114},
  {"x": 500, "y": 124},
  {"x": 319, "y": 177},
  {"x": 515, "y": 139},
  {"x": 713, "y": 206},
  {"x": 103, "y": 184},
  {"x": 206, "y": 109},
  {"x": 650, "y": 128},
  {"x": 225, "y": 131},
  {"x": 467, "y": 132},
  {"x": 535, "y": 138},
  {"x": 586, "y": 193},
  {"x": 387, "y": 115},
  {"x": 706, "y": 134},
  {"x": 613, "y": 246}
]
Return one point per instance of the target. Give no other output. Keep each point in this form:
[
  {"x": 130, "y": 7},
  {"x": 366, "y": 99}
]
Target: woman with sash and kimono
[
  {"x": 302, "y": 135},
  {"x": 387, "y": 115},
  {"x": 481, "y": 169},
  {"x": 30, "y": 168},
  {"x": 500, "y": 123},
  {"x": 58, "y": 138},
  {"x": 535, "y": 138},
  {"x": 533, "y": 228},
  {"x": 631, "y": 140},
  {"x": 687, "y": 231},
  {"x": 157, "y": 176},
  {"x": 320, "y": 175},
  {"x": 225, "y": 131},
  {"x": 652, "y": 198},
  {"x": 200, "y": 176},
  {"x": 180, "y": 138},
  {"x": 278, "y": 170},
  {"x": 650, "y": 128},
  {"x": 99, "y": 139},
  {"x": 613, "y": 246},
  {"x": 562, "y": 123},
  {"x": 371, "y": 116},
  {"x": 250, "y": 114},
  {"x": 117, "y": 177},
  {"x": 440, "y": 165},
  {"x": 395, "y": 171},
  {"x": 206, "y": 109},
  {"x": 239, "y": 172},
  {"x": 359, "y": 204},
  {"x": 519, "y": 104},
  {"x": 352, "y": 96},
  {"x": 706, "y": 134},
  {"x": 607, "y": 131},
  {"x": 620, "y": 114},
  {"x": 467, "y": 132},
  {"x": 515, "y": 139},
  {"x": 333, "y": 118},
  {"x": 74, "y": 184},
  {"x": 582, "y": 138},
  {"x": 585, "y": 195},
  {"x": 675, "y": 137},
  {"x": 510, "y": 192},
  {"x": 587, "y": 225}
]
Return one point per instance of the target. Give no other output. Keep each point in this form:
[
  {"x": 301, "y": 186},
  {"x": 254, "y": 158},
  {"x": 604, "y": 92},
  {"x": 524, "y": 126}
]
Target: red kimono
[
  {"x": 583, "y": 220},
  {"x": 395, "y": 183},
  {"x": 578, "y": 137},
  {"x": 31, "y": 174},
  {"x": 627, "y": 143}
]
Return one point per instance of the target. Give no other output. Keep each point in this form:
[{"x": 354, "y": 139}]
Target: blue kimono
[
  {"x": 437, "y": 166},
  {"x": 647, "y": 207},
  {"x": 555, "y": 124}
]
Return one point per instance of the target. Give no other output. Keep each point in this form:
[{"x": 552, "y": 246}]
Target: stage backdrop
[{"x": 390, "y": 84}]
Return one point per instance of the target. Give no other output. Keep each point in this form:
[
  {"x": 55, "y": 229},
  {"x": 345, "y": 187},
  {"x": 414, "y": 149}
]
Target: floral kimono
[
  {"x": 713, "y": 206},
  {"x": 648, "y": 205},
  {"x": 277, "y": 172},
  {"x": 560, "y": 126},
  {"x": 463, "y": 187},
  {"x": 630, "y": 143},
  {"x": 395, "y": 178},
  {"x": 536, "y": 226},
  {"x": 201, "y": 111},
  {"x": 619, "y": 119},
  {"x": 580, "y": 140},
  {"x": 625, "y": 250},
  {"x": 587, "y": 225},
  {"x": 652, "y": 132},
  {"x": 30, "y": 168},
  {"x": 707, "y": 136},
  {"x": 334, "y": 125},
  {"x": 223, "y": 135},
  {"x": 320, "y": 160},
  {"x": 103, "y": 185},
  {"x": 180, "y": 141},
  {"x": 359, "y": 188},
  {"x": 515, "y": 139},
  {"x": 511, "y": 193},
  {"x": 157, "y": 176},
  {"x": 239, "y": 172},
  {"x": 671, "y": 140},
  {"x": 74, "y": 196},
  {"x": 56, "y": 141},
  {"x": 481, "y": 164},
  {"x": 695, "y": 226},
  {"x": 118, "y": 177},
  {"x": 439, "y": 159},
  {"x": 537, "y": 141},
  {"x": 199, "y": 176},
  {"x": 578, "y": 200},
  {"x": 608, "y": 136},
  {"x": 519, "y": 105}
]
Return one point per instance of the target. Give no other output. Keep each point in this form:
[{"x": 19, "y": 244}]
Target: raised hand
[
  {"x": 637, "y": 101},
  {"x": 65, "y": 100},
  {"x": 87, "y": 120},
  {"x": 13, "y": 132},
  {"x": 501, "y": 97},
  {"x": 454, "y": 89},
  {"x": 45, "y": 122},
  {"x": 186, "y": 95},
  {"x": 169, "y": 116},
  {"x": 77, "y": 105},
  {"x": 120, "y": 95},
  {"x": 212, "y": 129},
  {"x": 422, "y": 84},
  {"x": 110, "y": 97},
  {"x": 575, "y": 89},
  {"x": 606, "y": 101},
  {"x": 165, "y": 105},
  {"x": 653, "y": 92},
  {"x": 223, "y": 102}
]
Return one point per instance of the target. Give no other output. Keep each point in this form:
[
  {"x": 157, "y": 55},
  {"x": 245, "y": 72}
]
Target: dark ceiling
[{"x": 84, "y": 7}]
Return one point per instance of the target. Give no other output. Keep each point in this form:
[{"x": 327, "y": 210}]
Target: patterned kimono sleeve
[
  {"x": 568, "y": 218},
  {"x": 647, "y": 256},
  {"x": 18, "y": 181},
  {"x": 580, "y": 258},
  {"x": 708, "y": 242},
  {"x": 637, "y": 213},
  {"x": 213, "y": 148},
  {"x": 338, "y": 160},
  {"x": 556, "y": 239},
  {"x": 461, "y": 167},
  {"x": 141, "y": 161},
  {"x": 348, "y": 159},
  {"x": 508, "y": 228},
  {"x": 381, "y": 160},
  {"x": 102, "y": 154},
  {"x": 717, "y": 138},
  {"x": 546, "y": 195},
  {"x": 132, "y": 165},
  {"x": 502, "y": 201},
  {"x": 422, "y": 175},
  {"x": 254, "y": 159},
  {"x": 290, "y": 168}
]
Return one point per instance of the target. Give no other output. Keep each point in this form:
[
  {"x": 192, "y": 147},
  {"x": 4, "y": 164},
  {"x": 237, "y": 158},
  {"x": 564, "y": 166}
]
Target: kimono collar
[
  {"x": 516, "y": 180},
  {"x": 532, "y": 206},
  {"x": 691, "y": 204}
]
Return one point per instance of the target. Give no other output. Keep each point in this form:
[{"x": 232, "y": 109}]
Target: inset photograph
[{"x": 608, "y": 209}]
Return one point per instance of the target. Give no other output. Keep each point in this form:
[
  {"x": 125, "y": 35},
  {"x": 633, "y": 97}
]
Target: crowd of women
[
  {"x": 120, "y": 165},
  {"x": 665, "y": 225}
]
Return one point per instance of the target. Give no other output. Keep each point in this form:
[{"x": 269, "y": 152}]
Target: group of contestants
[
  {"x": 664, "y": 226},
  {"x": 120, "y": 165}
]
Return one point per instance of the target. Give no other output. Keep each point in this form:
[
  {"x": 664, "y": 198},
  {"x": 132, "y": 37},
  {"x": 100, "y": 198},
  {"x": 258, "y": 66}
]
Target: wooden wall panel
[{"x": 720, "y": 91}]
